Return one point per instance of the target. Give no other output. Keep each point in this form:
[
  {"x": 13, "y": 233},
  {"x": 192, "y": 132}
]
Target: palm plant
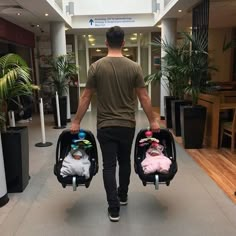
[
  {"x": 198, "y": 67},
  {"x": 185, "y": 67},
  {"x": 61, "y": 72},
  {"x": 14, "y": 81},
  {"x": 174, "y": 80}
]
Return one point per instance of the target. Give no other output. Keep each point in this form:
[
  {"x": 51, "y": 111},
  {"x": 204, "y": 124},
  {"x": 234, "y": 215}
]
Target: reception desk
[{"x": 215, "y": 103}]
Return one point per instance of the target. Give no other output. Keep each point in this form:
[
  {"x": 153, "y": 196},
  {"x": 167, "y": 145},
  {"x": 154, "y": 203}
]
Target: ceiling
[
  {"x": 29, "y": 14},
  {"x": 32, "y": 14}
]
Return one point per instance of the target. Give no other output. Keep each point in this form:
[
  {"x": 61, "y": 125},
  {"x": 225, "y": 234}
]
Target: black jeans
[{"x": 116, "y": 144}]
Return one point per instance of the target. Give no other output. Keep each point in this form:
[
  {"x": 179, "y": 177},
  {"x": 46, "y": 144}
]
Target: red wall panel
[{"x": 16, "y": 34}]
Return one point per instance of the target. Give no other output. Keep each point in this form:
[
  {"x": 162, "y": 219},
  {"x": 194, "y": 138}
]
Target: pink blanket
[{"x": 157, "y": 162}]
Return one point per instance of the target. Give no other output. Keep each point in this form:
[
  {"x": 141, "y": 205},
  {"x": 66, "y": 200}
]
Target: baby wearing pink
[{"x": 155, "y": 160}]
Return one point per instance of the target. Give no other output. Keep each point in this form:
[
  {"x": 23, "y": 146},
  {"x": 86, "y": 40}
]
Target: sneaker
[
  {"x": 123, "y": 200},
  {"x": 114, "y": 214}
]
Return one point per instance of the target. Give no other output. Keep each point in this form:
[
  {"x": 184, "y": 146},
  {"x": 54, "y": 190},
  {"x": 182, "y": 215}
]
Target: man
[{"x": 117, "y": 80}]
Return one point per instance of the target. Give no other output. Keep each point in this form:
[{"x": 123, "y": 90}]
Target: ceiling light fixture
[
  {"x": 18, "y": 14},
  {"x": 98, "y": 50},
  {"x": 159, "y": 26},
  {"x": 125, "y": 49},
  {"x": 179, "y": 10},
  {"x": 133, "y": 38},
  {"x": 46, "y": 14}
]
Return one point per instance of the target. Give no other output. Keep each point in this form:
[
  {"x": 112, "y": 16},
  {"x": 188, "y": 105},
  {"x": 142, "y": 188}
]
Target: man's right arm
[
  {"x": 147, "y": 107},
  {"x": 85, "y": 99}
]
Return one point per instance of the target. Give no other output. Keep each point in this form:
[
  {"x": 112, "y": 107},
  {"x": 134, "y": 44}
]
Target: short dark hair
[{"x": 115, "y": 37}]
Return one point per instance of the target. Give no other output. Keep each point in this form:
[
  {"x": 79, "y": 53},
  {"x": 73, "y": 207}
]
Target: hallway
[{"x": 192, "y": 205}]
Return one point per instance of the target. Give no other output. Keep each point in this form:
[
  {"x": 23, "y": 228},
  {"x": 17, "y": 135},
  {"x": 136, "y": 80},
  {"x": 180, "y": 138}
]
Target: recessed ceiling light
[
  {"x": 179, "y": 10},
  {"x": 125, "y": 49},
  {"x": 18, "y": 14},
  {"x": 92, "y": 44},
  {"x": 46, "y": 14},
  {"x": 98, "y": 50},
  {"x": 37, "y": 25},
  {"x": 91, "y": 39},
  {"x": 133, "y": 38},
  {"x": 159, "y": 26}
]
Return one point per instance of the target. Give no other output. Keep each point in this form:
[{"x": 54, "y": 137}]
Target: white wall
[
  {"x": 100, "y": 7},
  {"x": 221, "y": 59},
  {"x": 115, "y": 7}
]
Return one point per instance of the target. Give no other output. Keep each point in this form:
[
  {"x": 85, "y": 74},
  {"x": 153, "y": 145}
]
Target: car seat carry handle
[
  {"x": 61, "y": 136},
  {"x": 173, "y": 146},
  {"x": 58, "y": 145}
]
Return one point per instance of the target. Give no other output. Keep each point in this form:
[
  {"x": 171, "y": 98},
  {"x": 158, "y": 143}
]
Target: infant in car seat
[
  {"x": 155, "y": 160},
  {"x": 76, "y": 163}
]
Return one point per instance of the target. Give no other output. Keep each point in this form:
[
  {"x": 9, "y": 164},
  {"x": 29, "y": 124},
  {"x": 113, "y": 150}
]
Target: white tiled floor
[{"x": 192, "y": 204}]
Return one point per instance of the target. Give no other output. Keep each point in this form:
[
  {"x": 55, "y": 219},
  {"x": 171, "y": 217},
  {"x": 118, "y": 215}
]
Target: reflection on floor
[{"x": 192, "y": 205}]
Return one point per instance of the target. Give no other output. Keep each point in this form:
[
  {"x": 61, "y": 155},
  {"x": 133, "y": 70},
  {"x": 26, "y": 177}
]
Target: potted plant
[
  {"x": 197, "y": 70},
  {"x": 14, "y": 81},
  {"x": 173, "y": 79},
  {"x": 62, "y": 69}
]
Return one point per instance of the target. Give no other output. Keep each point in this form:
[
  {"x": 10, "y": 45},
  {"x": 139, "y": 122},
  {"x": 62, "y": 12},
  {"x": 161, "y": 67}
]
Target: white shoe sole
[
  {"x": 114, "y": 219},
  {"x": 124, "y": 203}
]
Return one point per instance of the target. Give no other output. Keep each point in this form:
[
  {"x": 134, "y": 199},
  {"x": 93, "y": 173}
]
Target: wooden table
[
  {"x": 215, "y": 103},
  {"x": 227, "y": 106},
  {"x": 223, "y": 106}
]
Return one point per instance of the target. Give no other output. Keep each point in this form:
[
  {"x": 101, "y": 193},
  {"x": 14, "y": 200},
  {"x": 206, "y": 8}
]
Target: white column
[
  {"x": 58, "y": 38},
  {"x": 168, "y": 34},
  {"x": 3, "y": 186},
  {"x": 77, "y": 61},
  {"x": 149, "y": 62},
  {"x": 87, "y": 64},
  {"x": 58, "y": 45}
]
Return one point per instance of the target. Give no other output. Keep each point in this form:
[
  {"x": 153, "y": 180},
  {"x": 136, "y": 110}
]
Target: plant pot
[
  {"x": 74, "y": 99},
  {"x": 175, "y": 110},
  {"x": 63, "y": 110},
  {"x": 168, "y": 113},
  {"x": 15, "y": 147},
  {"x": 193, "y": 120}
]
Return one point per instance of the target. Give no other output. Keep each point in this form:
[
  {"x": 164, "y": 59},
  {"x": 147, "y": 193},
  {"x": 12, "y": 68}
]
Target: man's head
[{"x": 115, "y": 37}]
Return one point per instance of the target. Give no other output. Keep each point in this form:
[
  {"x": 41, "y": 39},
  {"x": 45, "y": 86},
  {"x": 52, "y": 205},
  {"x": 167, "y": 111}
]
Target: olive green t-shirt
[{"x": 114, "y": 79}]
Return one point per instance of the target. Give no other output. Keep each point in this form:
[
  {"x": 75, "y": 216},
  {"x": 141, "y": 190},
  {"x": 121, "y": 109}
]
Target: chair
[{"x": 229, "y": 129}]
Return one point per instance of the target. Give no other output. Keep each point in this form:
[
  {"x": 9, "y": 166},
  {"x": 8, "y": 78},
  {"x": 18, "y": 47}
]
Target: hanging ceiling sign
[{"x": 109, "y": 21}]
